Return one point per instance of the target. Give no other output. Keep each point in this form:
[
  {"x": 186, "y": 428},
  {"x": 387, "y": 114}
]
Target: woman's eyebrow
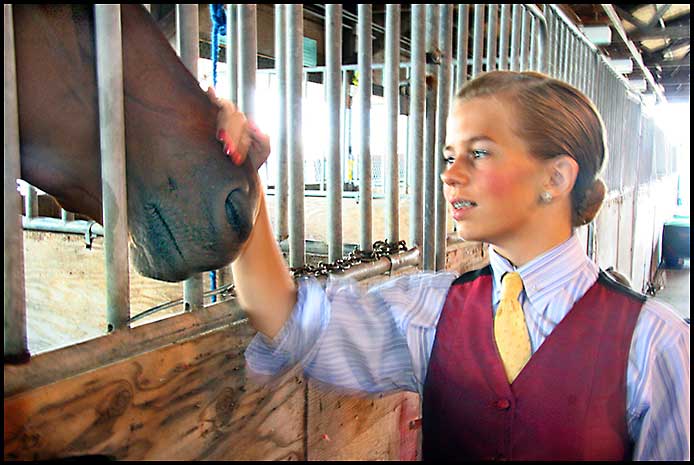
[{"x": 468, "y": 141}]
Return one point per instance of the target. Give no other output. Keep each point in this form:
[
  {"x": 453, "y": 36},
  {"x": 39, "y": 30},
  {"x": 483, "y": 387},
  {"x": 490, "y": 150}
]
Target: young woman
[{"x": 539, "y": 355}]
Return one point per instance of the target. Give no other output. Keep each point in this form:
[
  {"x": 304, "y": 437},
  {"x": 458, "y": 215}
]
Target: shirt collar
[{"x": 559, "y": 264}]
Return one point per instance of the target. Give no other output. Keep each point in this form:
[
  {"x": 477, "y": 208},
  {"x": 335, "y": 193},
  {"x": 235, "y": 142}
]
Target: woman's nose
[{"x": 454, "y": 175}]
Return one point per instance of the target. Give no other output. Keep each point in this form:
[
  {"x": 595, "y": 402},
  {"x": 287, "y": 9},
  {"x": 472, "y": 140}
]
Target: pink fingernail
[{"x": 221, "y": 134}]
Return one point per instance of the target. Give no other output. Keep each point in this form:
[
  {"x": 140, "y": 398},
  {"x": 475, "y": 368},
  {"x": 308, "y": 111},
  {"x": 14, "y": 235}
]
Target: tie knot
[{"x": 511, "y": 286}]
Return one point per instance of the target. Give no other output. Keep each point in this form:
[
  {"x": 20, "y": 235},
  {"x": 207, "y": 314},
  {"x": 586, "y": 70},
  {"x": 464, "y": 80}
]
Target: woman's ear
[{"x": 562, "y": 172}]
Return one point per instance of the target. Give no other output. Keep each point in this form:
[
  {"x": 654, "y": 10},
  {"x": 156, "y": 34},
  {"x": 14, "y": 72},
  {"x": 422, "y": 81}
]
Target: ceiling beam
[
  {"x": 659, "y": 14},
  {"x": 629, "y": 17},
  {"x": 670, "y": 32},
  {"x": 617, "y": 24}
]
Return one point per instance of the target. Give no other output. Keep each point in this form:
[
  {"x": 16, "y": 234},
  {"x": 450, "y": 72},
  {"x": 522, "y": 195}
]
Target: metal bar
[
  {"x": 109, "y": 72},
  {"x": 66, "y": 216},
  {"x": 516, "y": 23},
  {"x": 80, "y": 227},
  {"x": 187, "y": 33},
  {"x": 280, "y": 148},
  {"x": 364, "y": 58},
  {"x": 31, "y": 202},
  {"x": 617, "y": 25},
  {"x": 233, "y": 50},
  {"x": 542, "y": 37},
  {"x": 390, "y": 91},
  {"x": 492, "y": 26},
  {"x": 384, "y": 265},
  {"x": 429, "y": 241},
  {"x": 532, "y": 55},
  {"x": 445, "y": 44},
  {"x": 333, "y": 59},
  {"x": 477, "y": 46},
  {"x": 416, "y": 130},
  {"x": 525, "y": 41},
  {"x": 15, "y": 333},
  {"x": 248, "y": 61},
  {"x": 462, "y": 51},
  {"x": 504, "y": 36},
  {"x": 295, "y": 59}
]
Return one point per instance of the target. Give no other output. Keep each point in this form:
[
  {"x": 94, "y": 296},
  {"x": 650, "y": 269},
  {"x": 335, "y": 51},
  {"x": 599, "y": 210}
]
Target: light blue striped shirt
[{"x": 380, "y": 340}]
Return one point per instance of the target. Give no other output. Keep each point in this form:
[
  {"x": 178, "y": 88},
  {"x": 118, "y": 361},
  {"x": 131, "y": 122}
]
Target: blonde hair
[{"x": 554, "y": 119}]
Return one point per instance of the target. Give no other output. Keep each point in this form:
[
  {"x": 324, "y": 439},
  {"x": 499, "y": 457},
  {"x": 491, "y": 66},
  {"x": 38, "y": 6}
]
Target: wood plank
[
  {"x": 344, "y": 426},
  {"x": 187, "y": 401}
]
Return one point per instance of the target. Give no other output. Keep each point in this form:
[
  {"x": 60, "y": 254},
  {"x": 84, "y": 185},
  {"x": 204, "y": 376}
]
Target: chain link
[{"x": 379, "y": 250}]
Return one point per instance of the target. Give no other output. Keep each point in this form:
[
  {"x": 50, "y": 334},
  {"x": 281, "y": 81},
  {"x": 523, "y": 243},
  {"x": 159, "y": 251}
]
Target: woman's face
[{"x": 492, "y": 184}]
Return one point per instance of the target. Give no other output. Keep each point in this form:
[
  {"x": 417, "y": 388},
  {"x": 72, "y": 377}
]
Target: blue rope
[{"x": 219, "y": 28}]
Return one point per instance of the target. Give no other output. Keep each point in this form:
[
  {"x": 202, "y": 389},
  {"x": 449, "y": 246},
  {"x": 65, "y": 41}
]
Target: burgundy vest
[{"x": 568, "y": 402}]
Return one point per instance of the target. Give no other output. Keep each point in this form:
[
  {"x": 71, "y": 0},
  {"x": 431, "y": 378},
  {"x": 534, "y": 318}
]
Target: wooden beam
[
  {"x": 629, "y": 17},
  {"x": 670, "y": 32},
  {"x": 659, "y": 14}
]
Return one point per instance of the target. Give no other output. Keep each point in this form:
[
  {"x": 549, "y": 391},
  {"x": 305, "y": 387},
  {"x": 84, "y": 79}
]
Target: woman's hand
[{"x": 242, "y": 139}]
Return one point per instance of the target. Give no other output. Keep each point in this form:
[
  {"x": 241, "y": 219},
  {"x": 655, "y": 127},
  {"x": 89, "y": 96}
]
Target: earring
[{"x": 546, "y": 197}]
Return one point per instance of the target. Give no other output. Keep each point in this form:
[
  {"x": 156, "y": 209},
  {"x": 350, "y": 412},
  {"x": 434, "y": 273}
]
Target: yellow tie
[{"x": 510, "y": 331}]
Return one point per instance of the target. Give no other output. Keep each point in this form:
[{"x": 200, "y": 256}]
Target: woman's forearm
[{"x": 264, "y": 286}]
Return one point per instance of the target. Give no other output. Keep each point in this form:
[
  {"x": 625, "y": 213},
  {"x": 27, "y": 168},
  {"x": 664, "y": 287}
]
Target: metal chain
[{"x": 379, "y": 250}]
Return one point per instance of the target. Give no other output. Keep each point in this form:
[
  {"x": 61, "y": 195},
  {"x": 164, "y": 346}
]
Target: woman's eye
[
  {"x": 478, "y": 153},
  {"x": 450, "y": 159}
]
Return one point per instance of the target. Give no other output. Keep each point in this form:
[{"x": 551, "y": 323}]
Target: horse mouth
[{"x": 238, "y": 213}]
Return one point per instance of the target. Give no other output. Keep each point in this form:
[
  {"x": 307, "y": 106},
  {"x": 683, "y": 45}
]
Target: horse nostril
[{"x": 238, "y": 212}]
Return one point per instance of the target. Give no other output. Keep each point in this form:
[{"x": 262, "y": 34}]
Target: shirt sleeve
[
  {"x": 658, "y": 385},
  {"x": 376, "y": 340}
]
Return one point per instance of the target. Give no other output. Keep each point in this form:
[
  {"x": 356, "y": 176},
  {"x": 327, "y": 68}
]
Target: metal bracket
[{"x": 89, "y": 236}]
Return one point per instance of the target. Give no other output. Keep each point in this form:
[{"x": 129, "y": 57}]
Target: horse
[{"x": 190, "y": 208}]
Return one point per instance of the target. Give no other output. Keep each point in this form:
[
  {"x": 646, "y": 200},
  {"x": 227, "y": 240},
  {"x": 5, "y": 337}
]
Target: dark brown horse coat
[{"x": 189, "y": 207}]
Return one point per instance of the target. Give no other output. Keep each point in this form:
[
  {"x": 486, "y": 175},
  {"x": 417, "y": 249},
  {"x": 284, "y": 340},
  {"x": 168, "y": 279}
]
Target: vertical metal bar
[
  {"x": 248, "y": 61},
  {"x": 187, "y": 33},
  {"x": 478, "y": 40},
  {"x": 515, "y": 37},
  {"x": 534, "y": 36},
  {"x": 333, "y": 61},
  {"x": 280, "y": 148},
  {"x": 462, "y": 51},
  {"x": 566, "y": 55},
  {"x": 66, "y": 216},
  {"x": 233, "y": 50},
  {"x": 391, "y": 86},
  {"x": 15, "y": 332},
  {"x": 295, "y": 59},
  {"x": 31, "y": 202},
  {"x": 504, "y": 36},
  {"x": 492, "y": 27},
  {"x": 148, "y": 7},
  {"x": 429, "y": 241},
  {"x": 364, "y": 58},
  {"x": 416, "y": 139},
  {"x": 525, "y": 40},
  {"x": 109, "y": 72},
  {"x": 446, "y": 45}
]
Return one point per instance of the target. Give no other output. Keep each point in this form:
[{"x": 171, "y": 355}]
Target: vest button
[{"x": 502, "y": 404}]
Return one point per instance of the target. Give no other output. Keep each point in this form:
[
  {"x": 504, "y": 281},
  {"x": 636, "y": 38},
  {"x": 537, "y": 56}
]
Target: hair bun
[{"x": 592, "y": 202}]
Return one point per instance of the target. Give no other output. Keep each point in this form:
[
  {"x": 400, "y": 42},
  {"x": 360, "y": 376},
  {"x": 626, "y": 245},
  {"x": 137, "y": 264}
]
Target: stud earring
[{"x": 546, "y": 197}]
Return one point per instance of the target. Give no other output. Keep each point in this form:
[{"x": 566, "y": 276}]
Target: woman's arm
[{"x": 264, "y": 287}]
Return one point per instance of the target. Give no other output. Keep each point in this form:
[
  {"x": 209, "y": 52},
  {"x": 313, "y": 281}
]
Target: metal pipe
[
  {"x": 280, "y": 148},
  {"x": 477, "y": 46},
  {"x": 187, "y": 33},
  {"x": 364, "y": 58},
  {"x": 295, "y": 59},
  {"x": 525, "y": 40},
  {"x": 533, "y": 45},
  {"x": 504, "y": 36},
  {"x": 15, "y": 333},
  {"x": 248, "y": 61},
  {"x": 31, "y": 202},
  {"x": 617, "y": 25},
  {"x": 443, "y": 104},
  {"x": 387, "y": 264},
  {"x": 55, "y": 225},
  {"x": 516, "y": 23},
  {"x": 492, "y": 17},
  {"x": 333, "y": 59},
  {"x": 66, "y": 216},
  {"x": 543, "y": 37},
  {"x": 232, "y": 50},
  {"x": 391, "y": 93},
  {"x": 462, "y": 51},
  {"x": 429, "y": 241},
  {"x": 109, "y": 72},
  {"x": 416, "y": 129}
]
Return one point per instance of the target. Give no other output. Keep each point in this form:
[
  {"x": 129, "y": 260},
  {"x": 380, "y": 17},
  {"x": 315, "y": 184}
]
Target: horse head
[{"x": 190, "y": 208}]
